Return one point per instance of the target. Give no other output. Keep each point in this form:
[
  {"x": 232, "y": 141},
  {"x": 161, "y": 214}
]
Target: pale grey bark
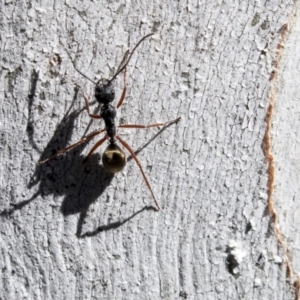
[
  {"x": 71, "y": 230},
  {"x": 286, "y": 139}
]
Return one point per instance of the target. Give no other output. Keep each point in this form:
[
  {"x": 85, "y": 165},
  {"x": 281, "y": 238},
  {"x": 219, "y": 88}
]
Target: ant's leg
[
  {"x": 149, "y": 126},
  {"x": 61, "y": 152},
  {"x": 139, "y": 165},
  {"x": 124, "y": 91},
  {"x": 87, "y": 104},
  {"x": 98, "y": 144}
]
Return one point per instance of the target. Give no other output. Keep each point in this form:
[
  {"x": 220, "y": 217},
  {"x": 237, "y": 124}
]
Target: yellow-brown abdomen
[{"x": 113, "y": 158}]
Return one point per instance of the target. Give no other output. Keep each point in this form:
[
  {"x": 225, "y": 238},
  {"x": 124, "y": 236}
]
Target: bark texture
[{"x": 71, "y": 230}]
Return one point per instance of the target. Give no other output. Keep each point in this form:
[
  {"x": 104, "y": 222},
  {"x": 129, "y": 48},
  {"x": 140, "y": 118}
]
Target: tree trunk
[{"x": 225, "y": 175}]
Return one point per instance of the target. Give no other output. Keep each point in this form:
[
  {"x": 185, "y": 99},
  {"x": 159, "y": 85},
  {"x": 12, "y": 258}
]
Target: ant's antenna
[
  {"x": 76, "y": 67},
  {"x": 124, "y": 66},
  {"x": 118, "y": 71}
]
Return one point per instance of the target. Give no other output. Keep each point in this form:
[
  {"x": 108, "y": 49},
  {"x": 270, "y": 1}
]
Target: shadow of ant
[{"x": 81, "y": 183}]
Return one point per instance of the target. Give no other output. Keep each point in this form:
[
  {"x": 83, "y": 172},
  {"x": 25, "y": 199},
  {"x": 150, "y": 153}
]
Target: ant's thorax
[
  {"x": 108, "y": 113},
  {"x": 105, "y": 94}
]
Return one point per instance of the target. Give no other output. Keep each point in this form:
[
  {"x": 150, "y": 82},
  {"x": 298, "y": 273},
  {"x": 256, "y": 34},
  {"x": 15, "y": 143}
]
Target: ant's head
[{"x": 104, "y": 91}]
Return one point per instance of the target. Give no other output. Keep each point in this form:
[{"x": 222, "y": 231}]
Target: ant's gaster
[{"x": 113, "y": 158}]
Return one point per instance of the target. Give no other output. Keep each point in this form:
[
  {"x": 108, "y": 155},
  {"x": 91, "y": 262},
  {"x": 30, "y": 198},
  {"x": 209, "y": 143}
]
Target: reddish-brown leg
[
  {"x": 149, "y": 126},
  {"x": 141, "y": 169},
  {"x": 124, "y": 91},
  {"x": 61, "y": 152},
  {"x": 98, "y": 144},
  {"x": 87, "y": 104}
]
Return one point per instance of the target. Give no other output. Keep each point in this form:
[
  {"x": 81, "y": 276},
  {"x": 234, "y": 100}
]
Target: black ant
[{"x": 113, "y": 158}]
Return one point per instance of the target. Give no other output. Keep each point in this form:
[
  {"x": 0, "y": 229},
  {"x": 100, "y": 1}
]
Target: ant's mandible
[{"x": 113, "y": 158}]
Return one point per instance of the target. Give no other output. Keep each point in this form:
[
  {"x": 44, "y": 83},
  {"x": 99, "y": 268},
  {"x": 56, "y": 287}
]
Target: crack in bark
[{"x": 267, "y": 142}]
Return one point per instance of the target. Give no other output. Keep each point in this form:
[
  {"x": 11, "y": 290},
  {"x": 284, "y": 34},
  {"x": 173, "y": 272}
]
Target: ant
[{"x": 113, "y": 158}]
